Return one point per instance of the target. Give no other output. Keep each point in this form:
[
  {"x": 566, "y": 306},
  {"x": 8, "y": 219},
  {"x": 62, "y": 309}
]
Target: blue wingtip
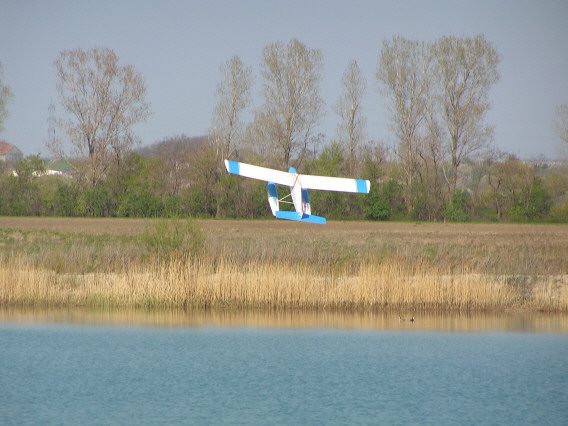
[
  {"x": 362, "y": 186},
  {"x": 233, "y": 167}
]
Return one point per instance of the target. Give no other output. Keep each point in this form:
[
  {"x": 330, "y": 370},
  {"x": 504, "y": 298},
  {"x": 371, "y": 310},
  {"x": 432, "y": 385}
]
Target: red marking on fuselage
[{"x": 296, "y": 180}]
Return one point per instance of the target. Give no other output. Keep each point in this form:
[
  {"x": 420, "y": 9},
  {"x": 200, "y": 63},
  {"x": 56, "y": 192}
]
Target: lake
[{"x": 237, "y": 367}]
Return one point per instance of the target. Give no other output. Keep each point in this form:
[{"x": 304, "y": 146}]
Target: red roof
[{"x": 5, "y": 148}]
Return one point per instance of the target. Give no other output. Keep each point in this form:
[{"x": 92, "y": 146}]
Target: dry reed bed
[
  {"x": 276, "y": 264},
  {"x": 181, "y": 284}
]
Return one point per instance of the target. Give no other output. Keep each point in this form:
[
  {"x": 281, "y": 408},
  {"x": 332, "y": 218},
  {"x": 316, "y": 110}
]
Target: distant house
[
  {"x": 59, "y": 167},
  {"x": 9, "y": 154}
]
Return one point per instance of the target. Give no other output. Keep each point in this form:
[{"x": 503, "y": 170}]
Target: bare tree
[
  {"x": 5, "y": 95},
  {"x": 292, "y": 103},
  {"x": 176, "y": 153},
  {"x": 404, "y": 70},
  {"x": 233, "y": 97},
  {"x": 466, "y": 70},
  {"x": 104, "y": 100},
  {"x": 561, "y": 122},
  {"x": 351, "y": 128}
]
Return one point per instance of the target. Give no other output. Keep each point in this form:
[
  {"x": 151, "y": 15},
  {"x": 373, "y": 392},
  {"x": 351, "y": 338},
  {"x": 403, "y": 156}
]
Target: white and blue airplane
[{"x": 299, "y": 185}]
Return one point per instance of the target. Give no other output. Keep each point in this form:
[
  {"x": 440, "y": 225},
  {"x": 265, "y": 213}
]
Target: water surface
[
  {"x": 131, "y": 367},
  {"x": 523, "y": 322}
]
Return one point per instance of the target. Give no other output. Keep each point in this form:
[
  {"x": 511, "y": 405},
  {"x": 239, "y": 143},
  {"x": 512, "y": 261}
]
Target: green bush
[
  {"x": 97, "y": 201},
  {"x": 66, "y": 199},
  {"x": 539, "y": 202},
  {"x": 140, "y": 204},
  {"x": 455, "y": 210},
  {"x": 533, "y": 207},
  {"x": 168, "y": 238},
  {"x": 385, "y": 202},
  {"x": 559, "y": 214},
  {"x": 377, "y": 207},
  {"x": 517, "y": 214}
]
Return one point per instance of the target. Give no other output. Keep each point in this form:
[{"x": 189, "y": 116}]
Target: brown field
[
  {"x": 280, "y": 264},
  {"x": 518, "y": 249}
]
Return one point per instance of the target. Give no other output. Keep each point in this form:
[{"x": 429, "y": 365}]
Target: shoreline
[{"x": 288, "y": 319}]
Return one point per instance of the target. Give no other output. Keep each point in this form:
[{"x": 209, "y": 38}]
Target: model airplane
[{"x": 299, "y": 185}]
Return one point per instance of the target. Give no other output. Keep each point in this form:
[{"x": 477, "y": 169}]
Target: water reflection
[{"x": 424, "y": 321}]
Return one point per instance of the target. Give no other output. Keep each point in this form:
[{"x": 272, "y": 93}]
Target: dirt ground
[{"x": 331, "y": 231}]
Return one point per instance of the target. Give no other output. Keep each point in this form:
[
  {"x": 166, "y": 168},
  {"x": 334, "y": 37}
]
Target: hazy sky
[{"x": 178, "y": 46}]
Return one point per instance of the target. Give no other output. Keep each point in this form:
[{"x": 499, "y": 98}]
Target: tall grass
[
  {"x": 179, "y": 238},
  {"x": 197, "y": 283}
]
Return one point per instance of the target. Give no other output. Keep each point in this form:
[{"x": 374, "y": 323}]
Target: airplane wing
[
  {"x": 326, "y": 183},
  {"x": 261, "y": 173}
]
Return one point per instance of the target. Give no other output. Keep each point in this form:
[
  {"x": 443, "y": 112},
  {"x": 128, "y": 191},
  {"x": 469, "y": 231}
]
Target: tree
[
  {"x": 438, "y": 98},
  {"x": 177, "y": 153},
  {"x": 482, "y": 184},
  {"x": 67, "y": 197},
  {"x": 5, "y": 95},
  {"x": 466, "y": 70},
  {"x": 292, "y": 103},
  {"x": 561, "y": 123},
  {"x": 512, "y": 182},
  {"x": 20, "y": 195},
  {"x": 455, "y": 210},
  {"x": 404, "y": 71},
  {"x": 200, "y": 196},
  {"x": 329, "y": 163},
  {"x": 104, "y": 100},
  {"x": 351, "y": 128},
  {"x": 233, "y": 97},
  {"x": 141, "y": 183}
]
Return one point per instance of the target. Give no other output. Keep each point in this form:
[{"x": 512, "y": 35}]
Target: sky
[{"x": 178, "y": 47}]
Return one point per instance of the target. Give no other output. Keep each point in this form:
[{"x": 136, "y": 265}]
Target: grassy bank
[{"x": 277, "y": 264}]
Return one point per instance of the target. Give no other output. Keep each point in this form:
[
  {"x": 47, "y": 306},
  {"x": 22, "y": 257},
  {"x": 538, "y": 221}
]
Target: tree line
[
  {"x": 179, "y": 177},
  {"x": 441, "y": 165}
]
